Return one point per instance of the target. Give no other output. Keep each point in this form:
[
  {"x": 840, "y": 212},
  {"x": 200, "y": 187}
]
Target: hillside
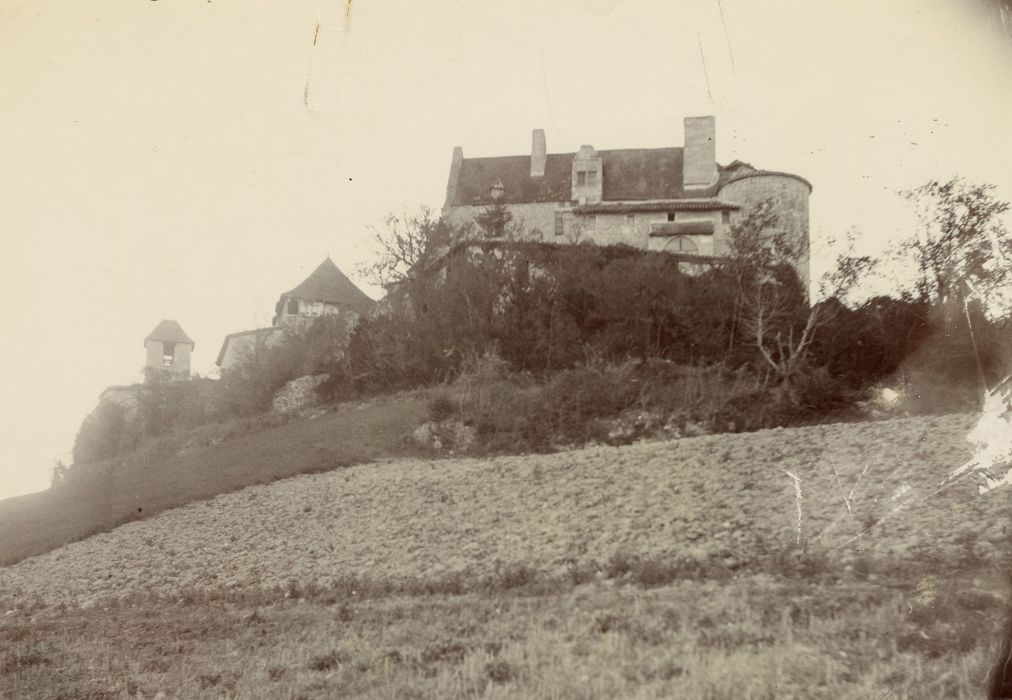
[
  {"x": 604, "y": 541},
  {"x": 203, "y": 463}
]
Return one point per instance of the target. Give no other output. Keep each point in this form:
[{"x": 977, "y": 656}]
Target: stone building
[
  {"x": 326, "y": 292},
  {"x": 168, "y": 347},
  {"x": 238, "y": 346},
  {"x": 675, "y": 199}
]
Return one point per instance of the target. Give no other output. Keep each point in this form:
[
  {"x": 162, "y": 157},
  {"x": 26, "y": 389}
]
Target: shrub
[
  {"x": 441, "y": 407},
  {"x": 326, "y": 662},
  {"x": 100, "y": 434},
  {"x": 499, "y": 671}
]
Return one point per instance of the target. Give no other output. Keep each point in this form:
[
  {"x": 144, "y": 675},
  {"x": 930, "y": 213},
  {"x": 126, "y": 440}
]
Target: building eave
[
  {"x": 655, "y": 206},
  {"x": 745, "y": 174}
]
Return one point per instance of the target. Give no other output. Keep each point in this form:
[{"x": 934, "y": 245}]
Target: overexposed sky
[{"x": 193, "y": 159}]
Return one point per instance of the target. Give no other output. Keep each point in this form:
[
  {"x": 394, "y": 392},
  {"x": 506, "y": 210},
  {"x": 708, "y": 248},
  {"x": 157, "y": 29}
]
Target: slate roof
[
  {"x": 327, "y": 283},
  {"x": 630, "y": 174},
  {"x": 169, "y": 331}
]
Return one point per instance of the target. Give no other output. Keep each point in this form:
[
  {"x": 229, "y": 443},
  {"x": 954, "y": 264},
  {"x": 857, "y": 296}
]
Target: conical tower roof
[
  {"x": 169, "y": 331},
  {"x": 327, "y": 283}
]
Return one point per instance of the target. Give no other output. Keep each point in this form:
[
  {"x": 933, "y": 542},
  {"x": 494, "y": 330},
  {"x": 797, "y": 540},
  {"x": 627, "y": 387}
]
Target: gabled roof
[
  {"x": 169, "y": 331},
  {"x": 327, "y": 283},
  {"x": 629, "y": 174}
]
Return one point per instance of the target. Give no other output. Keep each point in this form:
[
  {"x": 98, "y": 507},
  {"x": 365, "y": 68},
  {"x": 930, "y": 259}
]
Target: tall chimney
[
  {"x": 699, "y": 167},
  {"x": 538, "y": 153}
]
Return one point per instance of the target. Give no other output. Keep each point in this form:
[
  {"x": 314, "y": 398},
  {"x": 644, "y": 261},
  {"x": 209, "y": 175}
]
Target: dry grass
[{"x": 657, "y": 570}]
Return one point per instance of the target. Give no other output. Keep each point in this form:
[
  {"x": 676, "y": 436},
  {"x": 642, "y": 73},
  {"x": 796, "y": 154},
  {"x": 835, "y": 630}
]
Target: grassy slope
[
  {"x": 912, "y": 610},
  {"x": 147, "y": 483}
]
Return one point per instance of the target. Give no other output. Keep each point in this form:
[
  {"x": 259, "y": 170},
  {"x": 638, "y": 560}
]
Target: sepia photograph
[{"x": 561, "y": 350}]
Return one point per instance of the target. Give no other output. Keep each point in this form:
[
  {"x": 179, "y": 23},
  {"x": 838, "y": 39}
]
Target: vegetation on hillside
[{"x": 579, "y": 336}]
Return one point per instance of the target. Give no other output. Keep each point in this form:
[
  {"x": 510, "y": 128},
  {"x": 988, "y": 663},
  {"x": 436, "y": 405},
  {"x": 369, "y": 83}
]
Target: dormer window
[
  {"x": 497, "y": 191},
  {"x": 586, "y": 176}
]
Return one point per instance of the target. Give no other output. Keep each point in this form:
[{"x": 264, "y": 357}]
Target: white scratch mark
[
  {"x": 706, "y": 73},
  {"x": 839, "y": 483},
  {"x": 797, "y": 494},
  {"x": 727, "y": 38}
]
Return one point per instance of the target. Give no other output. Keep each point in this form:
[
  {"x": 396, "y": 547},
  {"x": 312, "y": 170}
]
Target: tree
[
  {"x": 494, "y": 219},
  {"x": 772, "y": 310},
  {"x": 963, "y": 243},
  {"x": 58, "y": 473},
  {"x": 406, "y": 243}
]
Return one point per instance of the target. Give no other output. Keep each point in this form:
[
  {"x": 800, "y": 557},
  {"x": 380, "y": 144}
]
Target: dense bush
[
  {"x": 101, "y": 434},
  {"x": 164, "y": 405},
  {"x": 927, "y": 352},
  {"x": 545, "y": 308},
  {"x": 544, "y": 344},
  {"x": 317, "y": 348},
  {"x": 869, "y": 343}
]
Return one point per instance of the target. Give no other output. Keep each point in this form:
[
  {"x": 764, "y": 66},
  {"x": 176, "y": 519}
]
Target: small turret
[{"x": 168, "y": 348}]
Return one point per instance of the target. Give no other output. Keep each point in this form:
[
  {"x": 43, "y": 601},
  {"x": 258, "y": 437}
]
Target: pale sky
[{"x": 193, "y": 159}]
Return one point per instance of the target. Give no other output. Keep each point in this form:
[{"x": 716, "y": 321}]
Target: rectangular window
[
  {"x": 630, "y": 219},
  {"x": 581, "y": 178},
  {"x": 725, "y": 217},
  {"x": 558, "y": 223},
  {"x": 591, "y": 177},
  {"x": 671, "y": 216}
]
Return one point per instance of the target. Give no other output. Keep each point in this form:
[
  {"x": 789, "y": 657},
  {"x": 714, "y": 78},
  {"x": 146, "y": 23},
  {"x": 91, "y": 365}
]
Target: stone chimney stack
[
  {"x": 538, "y": 153},
  {"x": 699, "y": 168}
]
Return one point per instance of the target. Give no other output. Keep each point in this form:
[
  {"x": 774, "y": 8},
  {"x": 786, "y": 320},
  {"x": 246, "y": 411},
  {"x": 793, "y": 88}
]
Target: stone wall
[
  {"x": 298, "y": 394},
  {"x": 790, "y": 200},
  {"x": 537, "y": 220},
  {"x": 240, "y": 347},
  {"x": 532, "y": 218},
  {"x": 153, "y": 353},
  {"x": 612, "y": 229}
]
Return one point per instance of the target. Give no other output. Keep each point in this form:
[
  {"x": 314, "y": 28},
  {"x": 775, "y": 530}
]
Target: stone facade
[
  {"x": 168, "y": 348},
  {"x": 170, "y": 356},
  {"x": 238, "y": 347},
  {"x": 675, "y": 199},
  {"x": 327, "y": 292}
]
